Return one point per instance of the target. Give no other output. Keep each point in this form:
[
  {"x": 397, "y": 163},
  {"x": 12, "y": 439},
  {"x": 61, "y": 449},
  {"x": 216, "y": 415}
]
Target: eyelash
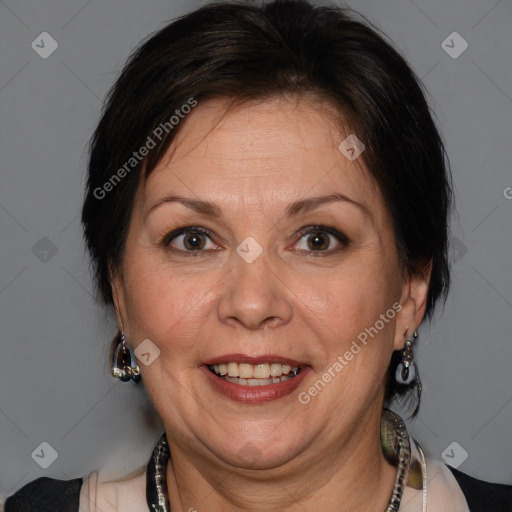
[
  {"x": 167, "y": 239},
  {"x": 307, "y": 230}
]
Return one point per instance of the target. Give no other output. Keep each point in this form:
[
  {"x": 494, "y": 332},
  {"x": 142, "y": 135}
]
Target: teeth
[
  {"x": 276, "y": 370},
  {"x": 244, "y": 371},
  {"x": 233, "y": 369},
  {"x": 271, "y": 372},
  {"x": 261, "y": 371},
  {"x": 256, "y": 382}
]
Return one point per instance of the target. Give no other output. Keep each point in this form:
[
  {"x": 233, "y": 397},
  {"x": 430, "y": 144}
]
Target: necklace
[{"x": 395, "y": 445}]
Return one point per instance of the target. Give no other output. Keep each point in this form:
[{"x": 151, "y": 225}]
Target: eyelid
[
  {"x": 170, "y": 236},
  {"x": 306, "y": 230}
]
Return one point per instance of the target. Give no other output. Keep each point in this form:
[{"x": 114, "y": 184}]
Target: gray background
[{"x": 54, "y": 379}]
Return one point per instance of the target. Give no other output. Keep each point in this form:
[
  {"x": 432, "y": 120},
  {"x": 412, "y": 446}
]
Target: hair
[{"x": 244, "y": 51}]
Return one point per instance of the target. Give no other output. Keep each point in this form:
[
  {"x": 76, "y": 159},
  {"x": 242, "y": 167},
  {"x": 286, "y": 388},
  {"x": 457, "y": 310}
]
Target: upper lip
[{"x": 244, "y": 358}]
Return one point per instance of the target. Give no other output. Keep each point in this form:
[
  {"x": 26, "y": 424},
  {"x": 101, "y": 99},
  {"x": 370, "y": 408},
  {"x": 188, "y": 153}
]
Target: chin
[{"x": 256, "y": 452}]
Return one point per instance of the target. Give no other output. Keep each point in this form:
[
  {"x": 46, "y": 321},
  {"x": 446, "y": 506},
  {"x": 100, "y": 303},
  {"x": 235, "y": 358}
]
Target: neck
[{"x": 351, "y": 476}]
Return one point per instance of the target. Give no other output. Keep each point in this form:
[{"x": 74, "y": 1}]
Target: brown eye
[
  {"x": 194, "y": 241},
  {"x": 189, "y": 240},
  {"x": 318, "y": 242},
  {"x": 321, "y": 239}
]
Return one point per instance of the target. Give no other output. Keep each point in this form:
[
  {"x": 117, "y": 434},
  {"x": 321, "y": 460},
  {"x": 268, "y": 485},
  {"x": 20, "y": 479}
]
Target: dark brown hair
[{"x": 248, "y": 51}]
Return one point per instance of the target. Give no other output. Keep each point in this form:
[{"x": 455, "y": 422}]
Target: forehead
[{"x": 282, "y": 148}]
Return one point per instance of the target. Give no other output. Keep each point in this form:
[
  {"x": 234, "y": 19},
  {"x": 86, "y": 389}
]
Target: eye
[
  {"x": 321, "y": 239},
  {"x": 190, "y": 239}
]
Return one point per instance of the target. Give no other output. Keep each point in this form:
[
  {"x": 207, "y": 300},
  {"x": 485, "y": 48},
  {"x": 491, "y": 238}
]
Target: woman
[{"x": 267, "y": 209}]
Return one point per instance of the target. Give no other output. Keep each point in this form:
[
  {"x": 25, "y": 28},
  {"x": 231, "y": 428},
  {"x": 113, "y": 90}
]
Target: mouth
[
  {"x": 254, "y": 380},
  {"x": 261, "y": 374}
]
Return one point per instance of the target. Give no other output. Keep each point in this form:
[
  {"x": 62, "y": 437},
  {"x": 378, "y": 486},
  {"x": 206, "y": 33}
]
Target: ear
[
  {"x": 117, "y": 285},
  {"x": 414, "y": 303}
]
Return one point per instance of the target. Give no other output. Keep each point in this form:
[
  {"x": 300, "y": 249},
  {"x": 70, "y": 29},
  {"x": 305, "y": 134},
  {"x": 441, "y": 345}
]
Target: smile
[{"x": 262, "y": 374}]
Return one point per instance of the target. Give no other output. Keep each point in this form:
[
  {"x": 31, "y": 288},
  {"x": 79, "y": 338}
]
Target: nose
[{"x": 254, "y": 296}]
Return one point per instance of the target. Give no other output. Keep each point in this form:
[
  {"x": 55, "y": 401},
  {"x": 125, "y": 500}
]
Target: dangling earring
[
  {"x": 406, "y": 371},
  {"x": 124, "y": 364}
]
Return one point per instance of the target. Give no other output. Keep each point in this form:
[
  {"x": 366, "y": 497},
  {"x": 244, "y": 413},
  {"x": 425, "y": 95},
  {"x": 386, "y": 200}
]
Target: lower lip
[{"x": 255, "y": 394}]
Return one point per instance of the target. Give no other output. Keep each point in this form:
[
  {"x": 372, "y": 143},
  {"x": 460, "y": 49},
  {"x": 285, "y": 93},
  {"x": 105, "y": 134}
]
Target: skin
[{"x": 252, "y": 161}]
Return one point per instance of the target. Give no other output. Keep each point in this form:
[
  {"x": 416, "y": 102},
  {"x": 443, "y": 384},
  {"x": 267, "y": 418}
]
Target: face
[{"x": 256, "y": 248}]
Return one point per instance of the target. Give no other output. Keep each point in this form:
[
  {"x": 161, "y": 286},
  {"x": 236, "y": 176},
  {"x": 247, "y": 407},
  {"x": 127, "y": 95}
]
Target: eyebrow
[
  {"x": 310, "y": 203},
  {"x": 296, "y": 208},
  {"x": 199, "y": 206}
]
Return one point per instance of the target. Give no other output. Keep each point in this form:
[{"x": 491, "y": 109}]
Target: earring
[
  {"x": 406, "y": 371},
  {"x": 124, "y": 364}
]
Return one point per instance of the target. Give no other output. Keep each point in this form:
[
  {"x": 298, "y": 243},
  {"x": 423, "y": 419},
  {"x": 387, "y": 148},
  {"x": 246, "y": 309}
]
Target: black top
[
  {"x": 484, "y": 496},
  {"x": 46, "y": 495},
  {"x": 50, "y": 495}
]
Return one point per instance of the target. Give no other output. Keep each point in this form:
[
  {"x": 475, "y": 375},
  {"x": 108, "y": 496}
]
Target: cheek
[
  {"x": 353, "y": 294},
  {"x": 164, "y": 306},
  {"x": 347, "y": 306}
]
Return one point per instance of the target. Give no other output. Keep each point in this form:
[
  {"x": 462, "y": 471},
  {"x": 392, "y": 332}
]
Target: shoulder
[
  {"x": 46, "y": 495},
  {"x": 447, "y": 489},
  {"x": 484, "y": 496},
  {"x": 102, "y": 492}
]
